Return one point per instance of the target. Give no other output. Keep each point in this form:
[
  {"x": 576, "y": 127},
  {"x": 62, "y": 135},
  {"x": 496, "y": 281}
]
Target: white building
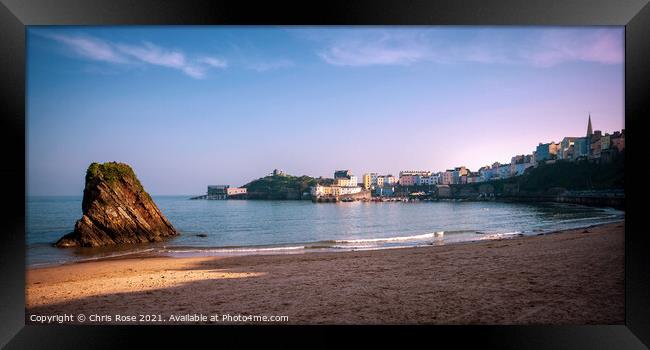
[
  {"x": 390, "y": 180},
  {"x": 351, "y": 182},
  {"x": 427, "y": 180},
  {"x": 345, "y": 178},
  {"x": 320, "y": 190}
]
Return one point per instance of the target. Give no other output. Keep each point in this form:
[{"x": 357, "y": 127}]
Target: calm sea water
[{"x": 259, "y": 227}]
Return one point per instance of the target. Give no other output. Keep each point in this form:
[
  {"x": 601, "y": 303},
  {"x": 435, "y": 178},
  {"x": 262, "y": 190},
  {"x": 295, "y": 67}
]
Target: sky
[{"x": 193, "y": 106}]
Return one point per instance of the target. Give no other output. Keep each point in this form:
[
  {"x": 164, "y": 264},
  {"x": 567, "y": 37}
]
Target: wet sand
[{"x": 571, "y": 277}]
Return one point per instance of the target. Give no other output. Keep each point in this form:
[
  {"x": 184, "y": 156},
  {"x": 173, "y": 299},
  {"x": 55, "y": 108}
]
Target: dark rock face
[{"x": 116, "y": 210}]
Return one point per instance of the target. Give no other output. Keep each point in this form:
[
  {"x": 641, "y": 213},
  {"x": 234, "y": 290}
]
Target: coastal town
[{"x": 593, "y": 147}]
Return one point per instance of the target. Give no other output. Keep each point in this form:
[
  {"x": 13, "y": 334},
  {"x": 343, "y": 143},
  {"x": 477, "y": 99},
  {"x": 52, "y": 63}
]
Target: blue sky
[{"x": 192, "y": 106}]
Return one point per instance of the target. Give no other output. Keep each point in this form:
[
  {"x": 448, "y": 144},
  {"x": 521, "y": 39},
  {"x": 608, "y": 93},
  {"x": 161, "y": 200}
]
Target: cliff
[
  {"x": 116, "y": 210},
  {"x": 554, "y": 179},
  {"x": 595, "y": 183}
]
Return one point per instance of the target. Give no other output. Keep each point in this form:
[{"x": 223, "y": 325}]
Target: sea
[{"x": 240, "y": 227}]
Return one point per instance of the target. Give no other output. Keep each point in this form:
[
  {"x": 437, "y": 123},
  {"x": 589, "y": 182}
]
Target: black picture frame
[{"x": 15, "y": 15}]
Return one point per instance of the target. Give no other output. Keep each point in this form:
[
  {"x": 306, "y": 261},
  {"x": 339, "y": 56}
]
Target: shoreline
[
  {"x": 589, "y": 201},
  {"x": 151, "y": 253},
  {"x": 572, "y": 278}
]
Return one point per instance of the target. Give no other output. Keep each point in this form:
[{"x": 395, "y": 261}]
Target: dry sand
[{"x": 571, "y": 277}]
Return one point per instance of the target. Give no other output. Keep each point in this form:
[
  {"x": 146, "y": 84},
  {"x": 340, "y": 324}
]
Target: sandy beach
[{"x": 571, "y": 277}]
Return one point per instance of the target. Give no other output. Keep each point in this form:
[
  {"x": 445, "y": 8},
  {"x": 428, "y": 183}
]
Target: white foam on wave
[
  {"x": 354, "y": 246},
  {"x": 393, "y": 239},
  {"x": 500, "y": 235}
]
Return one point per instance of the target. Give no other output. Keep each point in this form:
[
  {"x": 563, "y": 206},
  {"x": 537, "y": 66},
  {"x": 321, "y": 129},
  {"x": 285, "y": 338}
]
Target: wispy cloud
[
  {"x": 560, "y": 46},
  {"x": 90, "y": 48},
  {"x": 146, "y": 53},
  {"x": 542, "y": 48},
  {"x": 376, "y": 49},
  {"x": 213, "y": 62},
  {"x": 150, "y": 53},
  {"x": 270, "y": 65}
]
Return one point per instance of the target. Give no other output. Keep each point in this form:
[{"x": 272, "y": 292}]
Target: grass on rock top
[{"x": 111, "y": 172}]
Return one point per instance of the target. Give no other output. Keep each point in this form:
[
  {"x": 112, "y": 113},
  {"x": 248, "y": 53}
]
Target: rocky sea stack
[{"x": 116, "y": 210}]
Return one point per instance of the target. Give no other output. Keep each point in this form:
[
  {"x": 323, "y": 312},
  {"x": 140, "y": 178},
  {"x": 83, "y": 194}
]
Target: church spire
[{"x": 589, "y": 131}]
